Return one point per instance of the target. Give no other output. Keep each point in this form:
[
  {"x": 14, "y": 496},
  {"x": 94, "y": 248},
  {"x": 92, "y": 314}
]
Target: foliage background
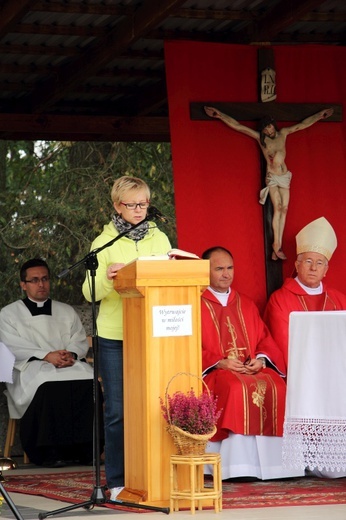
[{"x": 55, "y": 199}]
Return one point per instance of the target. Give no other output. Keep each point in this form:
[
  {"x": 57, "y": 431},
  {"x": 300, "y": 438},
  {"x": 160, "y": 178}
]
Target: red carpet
[{"x": 77, "y": 487}]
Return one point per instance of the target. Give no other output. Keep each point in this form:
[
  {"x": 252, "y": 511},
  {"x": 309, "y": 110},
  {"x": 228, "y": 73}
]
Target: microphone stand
[
  {"x": 10, "y": 502},
  {"x": 98, "y": 495}
]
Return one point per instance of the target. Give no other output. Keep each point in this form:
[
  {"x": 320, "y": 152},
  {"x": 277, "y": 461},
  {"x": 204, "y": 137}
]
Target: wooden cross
[{"x": 254, "y": 112}]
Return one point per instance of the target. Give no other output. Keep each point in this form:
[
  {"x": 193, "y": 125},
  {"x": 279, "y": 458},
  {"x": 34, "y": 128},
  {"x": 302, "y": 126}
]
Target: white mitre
[{"x": 317, "y": 237}]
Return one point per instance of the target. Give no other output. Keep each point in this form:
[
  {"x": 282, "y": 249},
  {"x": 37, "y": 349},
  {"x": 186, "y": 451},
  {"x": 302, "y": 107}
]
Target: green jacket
[{"x": 124, "y": 250}]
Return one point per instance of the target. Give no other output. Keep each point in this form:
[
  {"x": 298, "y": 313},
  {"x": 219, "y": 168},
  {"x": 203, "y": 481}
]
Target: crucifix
[{"x": 274, "y": 172}]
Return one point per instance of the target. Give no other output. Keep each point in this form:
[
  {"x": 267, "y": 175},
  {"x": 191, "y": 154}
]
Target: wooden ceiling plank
[
  {"x": 11, "y": 12},
  {"x": 214, "y": 14},
  {"x": 117, "y": 72},
  {"x": 85, "y": 31},
  {"x": 281, "y": 16},
  {"x": 319, "y": 16},
  {"x": 268, "y": 26},
  {"x": 151, "y": 13},
  {"x": 197, "y": 36},
  {"x": 78, "y": 87},
  {"x": 83, "y": 8},
  {"x": 38, "y": 50}
]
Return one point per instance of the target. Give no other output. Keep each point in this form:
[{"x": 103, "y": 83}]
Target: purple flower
[{"x": 191, "y": 413}]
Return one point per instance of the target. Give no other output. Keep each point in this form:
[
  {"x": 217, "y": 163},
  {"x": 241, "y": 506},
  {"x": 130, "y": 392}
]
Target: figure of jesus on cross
[{"x": 272, "y": 142}]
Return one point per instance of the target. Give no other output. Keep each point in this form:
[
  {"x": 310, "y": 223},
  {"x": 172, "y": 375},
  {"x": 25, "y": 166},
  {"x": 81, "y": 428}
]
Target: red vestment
[
  {"x": 292, "y": 297},
  {"x": 251, "y": 404}
]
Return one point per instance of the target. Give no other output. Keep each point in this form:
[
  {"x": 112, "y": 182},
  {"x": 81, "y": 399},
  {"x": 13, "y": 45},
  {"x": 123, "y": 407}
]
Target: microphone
[
  {"x": 156, "y": 213},
  {"x": 63, "y": 273}
]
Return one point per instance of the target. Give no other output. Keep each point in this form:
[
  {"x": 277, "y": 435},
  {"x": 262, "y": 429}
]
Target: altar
[{"x": 315, "y": 419}]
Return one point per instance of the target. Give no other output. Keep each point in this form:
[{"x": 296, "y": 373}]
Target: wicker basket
[
  {"x": 185, "y": 442},
  {"x": 189, "y": 443}
]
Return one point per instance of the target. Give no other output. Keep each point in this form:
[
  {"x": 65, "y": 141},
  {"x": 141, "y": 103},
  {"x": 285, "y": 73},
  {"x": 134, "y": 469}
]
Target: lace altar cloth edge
[{"x": 315, "y": 443}]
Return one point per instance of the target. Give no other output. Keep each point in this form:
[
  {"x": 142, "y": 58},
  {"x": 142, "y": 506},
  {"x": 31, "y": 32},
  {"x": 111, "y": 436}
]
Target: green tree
[{"x": 56, "y": 199}]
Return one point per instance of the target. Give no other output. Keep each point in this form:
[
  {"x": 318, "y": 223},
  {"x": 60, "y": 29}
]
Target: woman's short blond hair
[{"x": 124, "y": 184}]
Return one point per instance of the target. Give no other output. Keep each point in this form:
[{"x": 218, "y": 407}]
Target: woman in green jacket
[{"x": 131, "y": 199}]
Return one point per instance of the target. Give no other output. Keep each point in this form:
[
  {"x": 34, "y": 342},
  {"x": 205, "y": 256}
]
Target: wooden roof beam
[
  {"x": 266, "y": 27},
  {"x": 242, "y": 37},
  {"x": 116, "y": 41},
  {"x": 60, "y": 50},
  {"x": 11, "y": 12},
  {"x": 273, "y": 22},
  {"x": 148, "y": 102},
  {"x": 87, "y": 128}
]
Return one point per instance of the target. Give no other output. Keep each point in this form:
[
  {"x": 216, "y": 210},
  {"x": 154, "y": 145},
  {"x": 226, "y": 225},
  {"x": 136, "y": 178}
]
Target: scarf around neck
[{"x": 136, "y": 234}]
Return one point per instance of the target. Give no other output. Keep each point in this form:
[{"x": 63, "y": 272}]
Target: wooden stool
[
  {"x": 196, "y": 492},
  {"x": 11, "y": 431}
]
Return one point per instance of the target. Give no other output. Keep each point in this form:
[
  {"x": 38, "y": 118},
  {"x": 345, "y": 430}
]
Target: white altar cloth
[{"x": 315, "y": 418}]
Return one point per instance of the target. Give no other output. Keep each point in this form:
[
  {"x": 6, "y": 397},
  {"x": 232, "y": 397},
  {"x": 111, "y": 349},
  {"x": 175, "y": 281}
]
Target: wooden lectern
[{"x": 162, "y": 337}]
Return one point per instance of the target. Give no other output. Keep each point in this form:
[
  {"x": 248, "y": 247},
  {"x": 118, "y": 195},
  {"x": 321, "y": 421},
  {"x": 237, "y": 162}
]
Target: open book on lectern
[{"x": 173, "y": 254}]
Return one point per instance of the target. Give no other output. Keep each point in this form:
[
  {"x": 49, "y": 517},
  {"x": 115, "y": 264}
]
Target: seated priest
[
  {"x": 52, "y": 390},
  {"x": 245, "y": 370},
  {"x": 307, "y": 291}
]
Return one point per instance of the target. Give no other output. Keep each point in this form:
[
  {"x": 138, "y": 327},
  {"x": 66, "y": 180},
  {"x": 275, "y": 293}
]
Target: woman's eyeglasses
[{"x": 134, "y": 205}]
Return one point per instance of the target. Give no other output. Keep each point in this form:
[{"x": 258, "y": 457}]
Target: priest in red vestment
[
  {"x": 241, "y": 362},
  {"x": 316, "y": 244},
  {"x": 244, "y": 368}
]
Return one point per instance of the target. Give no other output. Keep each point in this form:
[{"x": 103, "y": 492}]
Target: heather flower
[{"x": 191, "y": 413}]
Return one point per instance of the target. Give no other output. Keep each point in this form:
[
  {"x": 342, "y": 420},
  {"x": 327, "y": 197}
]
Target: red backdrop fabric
[{"x": 216, "y": 170}]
